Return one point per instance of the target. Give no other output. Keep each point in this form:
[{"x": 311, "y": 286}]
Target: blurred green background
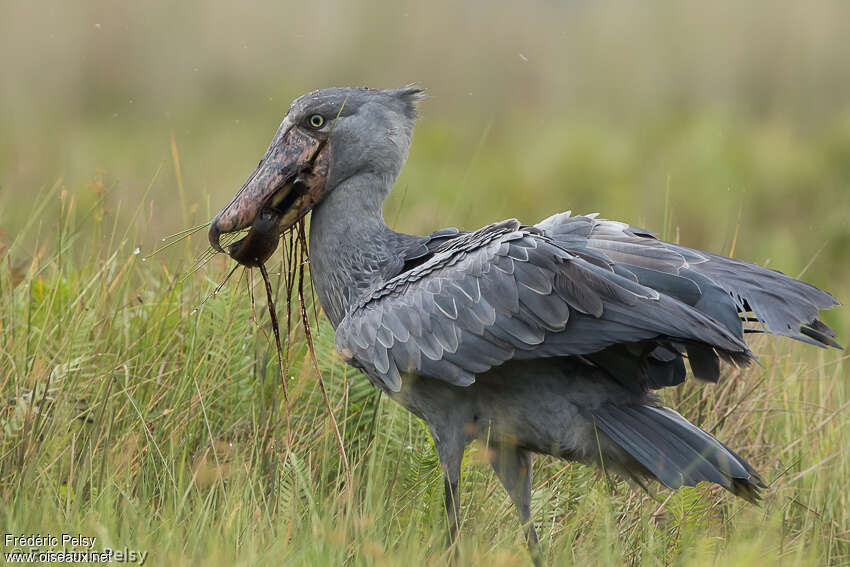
[{"x": 734, "y": 114}]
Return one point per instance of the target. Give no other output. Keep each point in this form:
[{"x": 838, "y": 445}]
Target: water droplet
[
  {"x": 137, "y": 251},
  {"x": 193, "y": 311},
  {"x": 163, "y": 240},
  {"x": 144, "y": 259}
]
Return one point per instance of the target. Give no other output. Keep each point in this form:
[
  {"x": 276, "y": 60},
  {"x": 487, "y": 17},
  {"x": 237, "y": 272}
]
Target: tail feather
[{"x": 674, "y": 450}]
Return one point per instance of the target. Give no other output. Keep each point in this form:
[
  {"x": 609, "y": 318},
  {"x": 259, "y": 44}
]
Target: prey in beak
[{"x": 286, "y": 185}]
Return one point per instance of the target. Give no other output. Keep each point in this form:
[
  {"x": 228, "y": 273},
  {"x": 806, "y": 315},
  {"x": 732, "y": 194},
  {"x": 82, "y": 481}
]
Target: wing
[
  {"x": 422, "y": 248},
  {"x": 724, "y": 288},
  {"x": 510, "y": 292}
]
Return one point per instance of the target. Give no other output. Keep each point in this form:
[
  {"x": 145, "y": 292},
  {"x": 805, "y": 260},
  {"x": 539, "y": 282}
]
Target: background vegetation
[{"x": 139, "y": 407}]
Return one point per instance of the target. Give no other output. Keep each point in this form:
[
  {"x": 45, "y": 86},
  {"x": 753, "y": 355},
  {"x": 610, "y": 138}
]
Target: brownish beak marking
[{"x": 287, "y": 184}]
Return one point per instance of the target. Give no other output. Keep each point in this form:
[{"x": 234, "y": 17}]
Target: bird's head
[{"x": 326, "y": 137}]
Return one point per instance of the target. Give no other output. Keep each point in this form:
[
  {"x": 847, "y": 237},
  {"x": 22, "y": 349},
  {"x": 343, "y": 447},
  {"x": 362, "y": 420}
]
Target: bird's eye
[{"x": 317, "y": 121}]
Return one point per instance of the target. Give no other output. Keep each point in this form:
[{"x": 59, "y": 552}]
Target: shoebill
[{"x": 547, "y": 338}]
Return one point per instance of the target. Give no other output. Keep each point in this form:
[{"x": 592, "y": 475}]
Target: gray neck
[{"x": 351, "y": 248}]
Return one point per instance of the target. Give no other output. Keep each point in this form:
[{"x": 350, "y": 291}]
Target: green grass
[{"x": 142, "y": 409}]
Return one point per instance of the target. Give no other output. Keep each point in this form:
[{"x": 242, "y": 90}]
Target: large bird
[{"x": 547, "y": 338}]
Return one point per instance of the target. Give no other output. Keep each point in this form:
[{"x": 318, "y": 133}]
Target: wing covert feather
[{"x": 508, "y": 291}]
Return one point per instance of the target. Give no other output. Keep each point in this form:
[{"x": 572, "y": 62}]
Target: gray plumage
[{"x": 538, "y": 339}]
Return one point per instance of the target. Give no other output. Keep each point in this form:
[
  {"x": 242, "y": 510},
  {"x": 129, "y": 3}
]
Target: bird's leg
[
  {"x": 450, "y": 450},
  {"x": 513, "y": 467},
  {"x": 451, "y": 481}
]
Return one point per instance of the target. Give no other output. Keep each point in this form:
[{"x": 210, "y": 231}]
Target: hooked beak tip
[{"x": 215, "y": 235}]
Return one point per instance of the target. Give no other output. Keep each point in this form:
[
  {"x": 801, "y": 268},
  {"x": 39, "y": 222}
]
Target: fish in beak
[{"x": 287, "y": 184}]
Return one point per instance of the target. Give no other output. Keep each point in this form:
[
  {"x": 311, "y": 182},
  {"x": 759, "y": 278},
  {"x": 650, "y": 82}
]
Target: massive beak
[{"x": 289, "y": 181}]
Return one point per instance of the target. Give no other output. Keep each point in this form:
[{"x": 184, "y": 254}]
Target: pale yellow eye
[{"x": 317, "y": 121}]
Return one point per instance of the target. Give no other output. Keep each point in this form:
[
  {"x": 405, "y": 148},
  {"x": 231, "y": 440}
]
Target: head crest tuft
[{"x": 411, "y": 96}]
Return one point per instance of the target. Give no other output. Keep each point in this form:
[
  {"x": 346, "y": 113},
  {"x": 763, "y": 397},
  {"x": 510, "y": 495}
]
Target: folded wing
[{"x": 511, "y": 292}]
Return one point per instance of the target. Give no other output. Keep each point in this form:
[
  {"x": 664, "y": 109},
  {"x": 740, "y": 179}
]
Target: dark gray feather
[
  {"x": 543, "y": 302},
  {"x": 674, "y": 450}
]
